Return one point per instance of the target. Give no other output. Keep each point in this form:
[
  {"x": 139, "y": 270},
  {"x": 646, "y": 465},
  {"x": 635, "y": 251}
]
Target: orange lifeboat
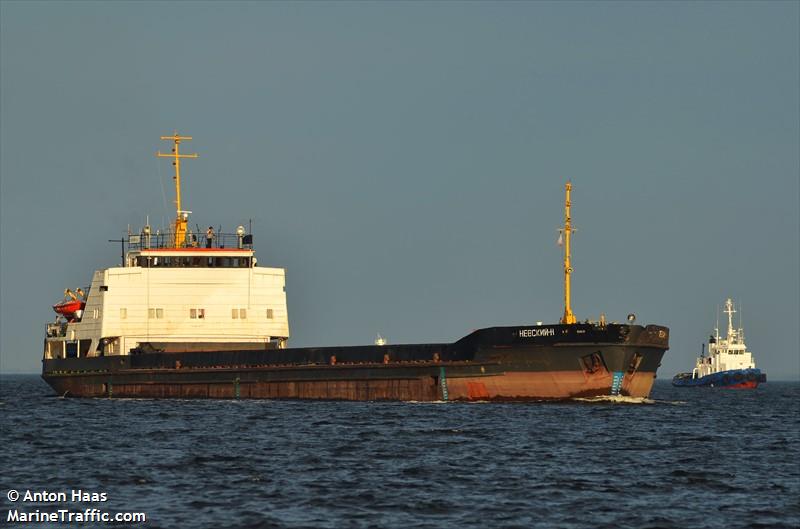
[{"x": 70, "y": 307}]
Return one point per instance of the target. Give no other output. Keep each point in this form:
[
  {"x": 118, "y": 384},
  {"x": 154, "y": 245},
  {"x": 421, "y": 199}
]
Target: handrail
[
  {"x": 54, "y": 330},
  {"x": 166, "y": 239}
]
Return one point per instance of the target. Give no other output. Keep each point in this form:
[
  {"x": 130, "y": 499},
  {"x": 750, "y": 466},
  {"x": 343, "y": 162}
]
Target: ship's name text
[{"x": 533, "y": 333}]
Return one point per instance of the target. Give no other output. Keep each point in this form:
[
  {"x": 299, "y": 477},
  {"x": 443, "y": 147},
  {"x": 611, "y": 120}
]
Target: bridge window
[
  {"x": 123, "y": 313},
  {"x": 197, "y": 314},
  {"x": 269, "y": 314},
  {"x": 231, "y": 262},
  {"x": 156, "y": 314},
  {"x": 196, "y": 261}
]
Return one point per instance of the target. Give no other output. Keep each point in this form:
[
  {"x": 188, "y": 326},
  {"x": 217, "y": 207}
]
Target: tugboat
[
  {"x": 183, "y": 319},
  {"x": 728, "y": 364}
]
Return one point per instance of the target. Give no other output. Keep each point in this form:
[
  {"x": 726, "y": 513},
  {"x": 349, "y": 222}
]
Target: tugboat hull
[{"x": 731, "y": 379}]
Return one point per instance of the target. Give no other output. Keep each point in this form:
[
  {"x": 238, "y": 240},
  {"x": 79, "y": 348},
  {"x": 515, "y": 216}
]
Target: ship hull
[
  {"x": 398, "y": 386},
  {"x": 730, "y": 379},
  {"x": 496, "y": 364}
]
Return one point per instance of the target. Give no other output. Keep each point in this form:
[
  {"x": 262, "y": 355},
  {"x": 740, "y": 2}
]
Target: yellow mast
[
  {"x": 181, "y": 216},
  {"x": 567, "y": 230}
]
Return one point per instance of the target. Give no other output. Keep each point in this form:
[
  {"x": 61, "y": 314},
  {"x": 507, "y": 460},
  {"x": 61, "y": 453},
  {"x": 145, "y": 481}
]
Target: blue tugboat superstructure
[{"x": 728, "y": 363}]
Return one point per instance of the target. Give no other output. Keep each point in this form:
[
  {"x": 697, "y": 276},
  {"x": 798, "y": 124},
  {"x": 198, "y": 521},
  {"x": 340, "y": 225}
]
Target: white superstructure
[
  {"x": 725, "y": 354},
  {"x": 173, "y": 296},
  {"x": 176, "y": 295}
]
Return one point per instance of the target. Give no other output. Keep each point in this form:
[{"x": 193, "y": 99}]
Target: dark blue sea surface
[{"x": 687, "y": 458}]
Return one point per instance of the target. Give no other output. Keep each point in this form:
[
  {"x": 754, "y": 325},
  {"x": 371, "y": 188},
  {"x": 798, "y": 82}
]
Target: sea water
[{"x": 684, "y": 458}]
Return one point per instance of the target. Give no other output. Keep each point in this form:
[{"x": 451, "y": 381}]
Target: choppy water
[{"x": 685, "y": 458}]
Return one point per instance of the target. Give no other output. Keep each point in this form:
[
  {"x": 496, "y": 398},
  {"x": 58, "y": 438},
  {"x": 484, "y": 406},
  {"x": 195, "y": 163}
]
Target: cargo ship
[
  {"x": 728, "y": 364},
  {"x": 194, "y": 315}
]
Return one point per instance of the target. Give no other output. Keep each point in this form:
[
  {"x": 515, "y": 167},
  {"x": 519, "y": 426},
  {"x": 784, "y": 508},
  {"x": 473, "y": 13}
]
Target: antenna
[
  {"x": 741, "y": 328},
  {"x": 567, "y": 230},
  {"x": 180, "y": 215},
  {"x": 740, "y": 314}
]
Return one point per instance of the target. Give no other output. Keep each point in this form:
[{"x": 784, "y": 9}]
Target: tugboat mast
[
  {"x": 729, "y": 310},
  {"x": 180, "y": 216},
  {"x": 567, "y": 230}
]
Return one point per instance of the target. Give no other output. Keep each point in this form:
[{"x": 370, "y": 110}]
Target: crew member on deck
[{"x": 209, "y": 236}]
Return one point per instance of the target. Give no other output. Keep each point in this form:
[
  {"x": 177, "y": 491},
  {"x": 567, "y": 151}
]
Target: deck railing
[
  {"x": 166, "y": 239},
  {"x": 57, "y": 329}
]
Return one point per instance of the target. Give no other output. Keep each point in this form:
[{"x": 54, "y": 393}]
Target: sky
[{"x": 405, "y": 162}]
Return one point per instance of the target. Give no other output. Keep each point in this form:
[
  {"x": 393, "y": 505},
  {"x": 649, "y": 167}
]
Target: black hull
[{"x": 498, "y": 363}]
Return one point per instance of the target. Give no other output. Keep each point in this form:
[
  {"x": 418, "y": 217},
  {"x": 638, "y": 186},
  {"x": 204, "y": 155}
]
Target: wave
[{"x": 616, "y": 399}]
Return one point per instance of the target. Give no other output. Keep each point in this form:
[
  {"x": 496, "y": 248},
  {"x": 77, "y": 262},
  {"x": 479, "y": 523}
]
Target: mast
[
  {"x": 567, "y": 230},
  {"x": 181, "y": 216},
  {"x": 730, "y": 311}
]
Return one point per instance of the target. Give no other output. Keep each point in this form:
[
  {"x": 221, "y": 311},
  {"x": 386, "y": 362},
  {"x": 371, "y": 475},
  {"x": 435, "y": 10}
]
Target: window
[
  {"x": 229, "y": 262},
  {"x": 155, "y": 313},
  {"x": 242, "y": 314},
  {"x": 269, "y": 314},
  {"x": 197, "y": 314},
  {"x": 175, "y": 261},
  {"x": 123, "y": 313},
  {"x": 239, "y": 314},
  {"x": 235, "y": 313},
  {"x": 95, "y": 313}
]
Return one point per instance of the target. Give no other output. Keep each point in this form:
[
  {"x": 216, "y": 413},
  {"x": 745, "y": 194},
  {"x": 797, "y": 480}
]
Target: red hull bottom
[
  {"x": 547, "y": 386},
  {"x": 748, "y": 384}
]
